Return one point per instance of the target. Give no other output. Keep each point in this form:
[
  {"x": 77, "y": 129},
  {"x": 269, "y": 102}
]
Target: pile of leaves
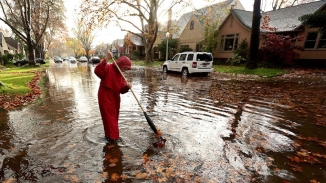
[{"x": 8, "y": 102}]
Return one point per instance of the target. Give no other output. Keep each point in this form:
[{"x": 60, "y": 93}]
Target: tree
[
  {"x": 254, "y": 39},
  {"x": 29, "y": 20},
  {"x": 315, "y": 20},
  {"x": 173, "y": 45},
  {"x": 280, "y": 49},
  {"x": 137, "y": 17},
  {"x": 74, "y": 44},
  {"x": 85, "y": 36},
  {"x": 212, "y": 18}
]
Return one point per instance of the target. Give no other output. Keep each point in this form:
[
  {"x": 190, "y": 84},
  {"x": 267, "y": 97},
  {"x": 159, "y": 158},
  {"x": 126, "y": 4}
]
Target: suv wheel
[
  {"x": 19, "y": 64},
  {"x": 165, "y": 69},
  {"x": 185, "y": 72}
]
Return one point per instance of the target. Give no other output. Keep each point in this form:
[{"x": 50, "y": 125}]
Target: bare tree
[
  {"x": 137, "y": 17},
  {"x": 85, "y": 36},
  {"x": 29, "y": 20}
]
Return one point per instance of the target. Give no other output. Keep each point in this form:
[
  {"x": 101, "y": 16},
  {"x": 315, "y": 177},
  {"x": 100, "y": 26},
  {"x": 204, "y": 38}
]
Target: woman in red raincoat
[{"x": 111, "y": 86}]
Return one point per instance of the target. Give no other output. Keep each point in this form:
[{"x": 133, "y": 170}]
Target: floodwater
[{"x": 221, "y": 128}]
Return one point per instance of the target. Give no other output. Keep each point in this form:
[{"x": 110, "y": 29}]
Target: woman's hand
[
  {"x": 108, "y": 56},
  {"x": 129, "y": 85}
]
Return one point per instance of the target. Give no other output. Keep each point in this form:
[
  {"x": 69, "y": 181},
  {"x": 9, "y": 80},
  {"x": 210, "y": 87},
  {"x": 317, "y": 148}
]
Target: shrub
[
  {"x": 186, "y": 48},
  {"x": 236, "y": 59},
  {"x": 5, "y": 59},
  {"x": 280, "y": 49},
  {"x": 243, "y": 49},
  {"x": 136, "y": 54}
]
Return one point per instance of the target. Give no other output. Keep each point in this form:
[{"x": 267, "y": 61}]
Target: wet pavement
[{"x": 221, "y": 128}]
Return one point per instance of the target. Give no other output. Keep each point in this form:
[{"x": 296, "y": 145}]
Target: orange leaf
[{"x": 114, "y": 177}]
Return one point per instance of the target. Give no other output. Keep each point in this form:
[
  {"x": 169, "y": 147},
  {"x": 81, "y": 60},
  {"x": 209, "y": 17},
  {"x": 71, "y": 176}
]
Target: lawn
[
  {"x": 14, "y": 80},
  {"x": 264, "y": 72}
]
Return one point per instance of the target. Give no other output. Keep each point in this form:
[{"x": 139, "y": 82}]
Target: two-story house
[{"x": 189, "y": 30}]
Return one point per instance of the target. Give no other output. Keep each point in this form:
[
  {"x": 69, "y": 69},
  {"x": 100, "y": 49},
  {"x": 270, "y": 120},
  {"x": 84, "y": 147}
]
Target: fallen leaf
[
  {"x": 114, "y": 177},
  {"x": 114, "y": 160},
  {"x": 112, "y": 165}
]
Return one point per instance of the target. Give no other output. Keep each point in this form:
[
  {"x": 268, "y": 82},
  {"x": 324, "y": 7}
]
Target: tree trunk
[
  {"x": 31, "y": 60},
  {"x": 149, "y": 54},
  {"x": 254, "y": 40}
]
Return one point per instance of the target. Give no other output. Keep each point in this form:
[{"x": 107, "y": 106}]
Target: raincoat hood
[{"x": 124, "y": 62}]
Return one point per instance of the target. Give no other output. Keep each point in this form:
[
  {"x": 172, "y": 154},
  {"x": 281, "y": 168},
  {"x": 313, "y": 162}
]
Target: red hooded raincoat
[{"x": 111, "y": 86}]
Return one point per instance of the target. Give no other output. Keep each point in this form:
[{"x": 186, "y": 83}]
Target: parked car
[
  {"x": 40, "y": 61},
  {"x": 94, "y": 60},
  {"x": 20, "y": 62},
  {"x": 72, "y": 59},
  {"x": 83, "y": 59},
  {"x": 57, "y": 60},
  {"x": 65, "y": 59},
  {"x": 190, "y": 63},
  {"x": 25, "y": 61}
]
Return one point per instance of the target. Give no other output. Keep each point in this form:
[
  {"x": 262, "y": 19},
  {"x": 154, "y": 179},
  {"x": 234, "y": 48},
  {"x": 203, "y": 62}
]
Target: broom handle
[{"x": 129, "y": 88}]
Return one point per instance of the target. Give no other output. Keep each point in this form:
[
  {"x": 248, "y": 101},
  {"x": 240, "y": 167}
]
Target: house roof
[
  {"x": 138, "y": 41},
  {"x": 214, "y": 9},
  {"x": 12, "y": 42},
  {"x": 283, "y": 20}
]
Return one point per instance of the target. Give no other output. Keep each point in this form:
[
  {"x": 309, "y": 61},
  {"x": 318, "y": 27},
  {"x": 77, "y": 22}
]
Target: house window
[
  {"x": 229, "y": 42},
  {"x": 127, "y": 50},
  {"x": 311, "y": 40},
  {"x": 315, "y": 40},
  {"x": 192, "y": 25},
  {"x": 322, "y": 41}
]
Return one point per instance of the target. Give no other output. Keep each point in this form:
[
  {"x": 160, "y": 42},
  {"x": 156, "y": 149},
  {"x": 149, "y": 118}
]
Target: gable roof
[
  {"x": 137, "y": 40},
  {"x": 215, "y": 9},
  {"x": 284, "y": 20},
  {"x": 12, "y": 42}
]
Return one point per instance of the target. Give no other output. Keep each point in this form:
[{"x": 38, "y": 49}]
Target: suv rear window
[{"x": 204, "y": 57}]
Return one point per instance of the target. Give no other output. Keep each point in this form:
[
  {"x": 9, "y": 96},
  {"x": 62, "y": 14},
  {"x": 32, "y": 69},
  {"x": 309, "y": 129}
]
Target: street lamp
[{"x": 167, "y": 45}]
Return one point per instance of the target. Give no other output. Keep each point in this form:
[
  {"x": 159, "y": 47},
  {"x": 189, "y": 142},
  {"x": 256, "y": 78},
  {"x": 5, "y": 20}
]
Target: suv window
[
  {"x": 190, "y": 57},
  {"x": 204, "y": 57},
  {"x": 183, "y": 57},
  {"x": 175, "y": 58}
]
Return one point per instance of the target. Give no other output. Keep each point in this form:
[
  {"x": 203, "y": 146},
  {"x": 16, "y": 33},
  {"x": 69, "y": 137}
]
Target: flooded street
[{"x": 221, "y": 128}]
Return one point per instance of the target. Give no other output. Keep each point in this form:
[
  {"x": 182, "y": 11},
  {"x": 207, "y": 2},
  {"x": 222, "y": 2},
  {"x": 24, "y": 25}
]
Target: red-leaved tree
[{"x": 280, "y": 49}]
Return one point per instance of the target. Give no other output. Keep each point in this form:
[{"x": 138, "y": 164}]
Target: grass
[
  {"x": 15, "y": 79},
  {"x": 264, "y": 72},
  {"x": 151, "y": 64}
]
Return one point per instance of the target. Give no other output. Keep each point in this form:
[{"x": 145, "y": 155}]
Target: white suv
[{"x": 189, "y": 63}]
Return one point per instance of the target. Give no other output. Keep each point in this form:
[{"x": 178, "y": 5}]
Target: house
[
  {"x": 133, "y": 43},
  {"x": 3, "y": 45},
  {"x": 13, "y": 46},
  {"x": 117, "y": 47},
  {"x": 190, "y": 34},
  {"x": 189, "y": 30},
  {"x": 237, "y": 27}
]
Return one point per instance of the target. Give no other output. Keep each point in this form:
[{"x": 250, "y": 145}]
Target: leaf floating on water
[
  {"x": 146, "y": 158},
  {"x": 114, "y": 177},
  {"x": 114, "y": 160},
  {"x": 140, "y": 175},
  {"x": 112, "y": 165}
]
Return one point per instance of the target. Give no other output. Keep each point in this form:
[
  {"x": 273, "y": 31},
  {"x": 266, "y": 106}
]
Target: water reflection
[{"x": 218, "y": 129}]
